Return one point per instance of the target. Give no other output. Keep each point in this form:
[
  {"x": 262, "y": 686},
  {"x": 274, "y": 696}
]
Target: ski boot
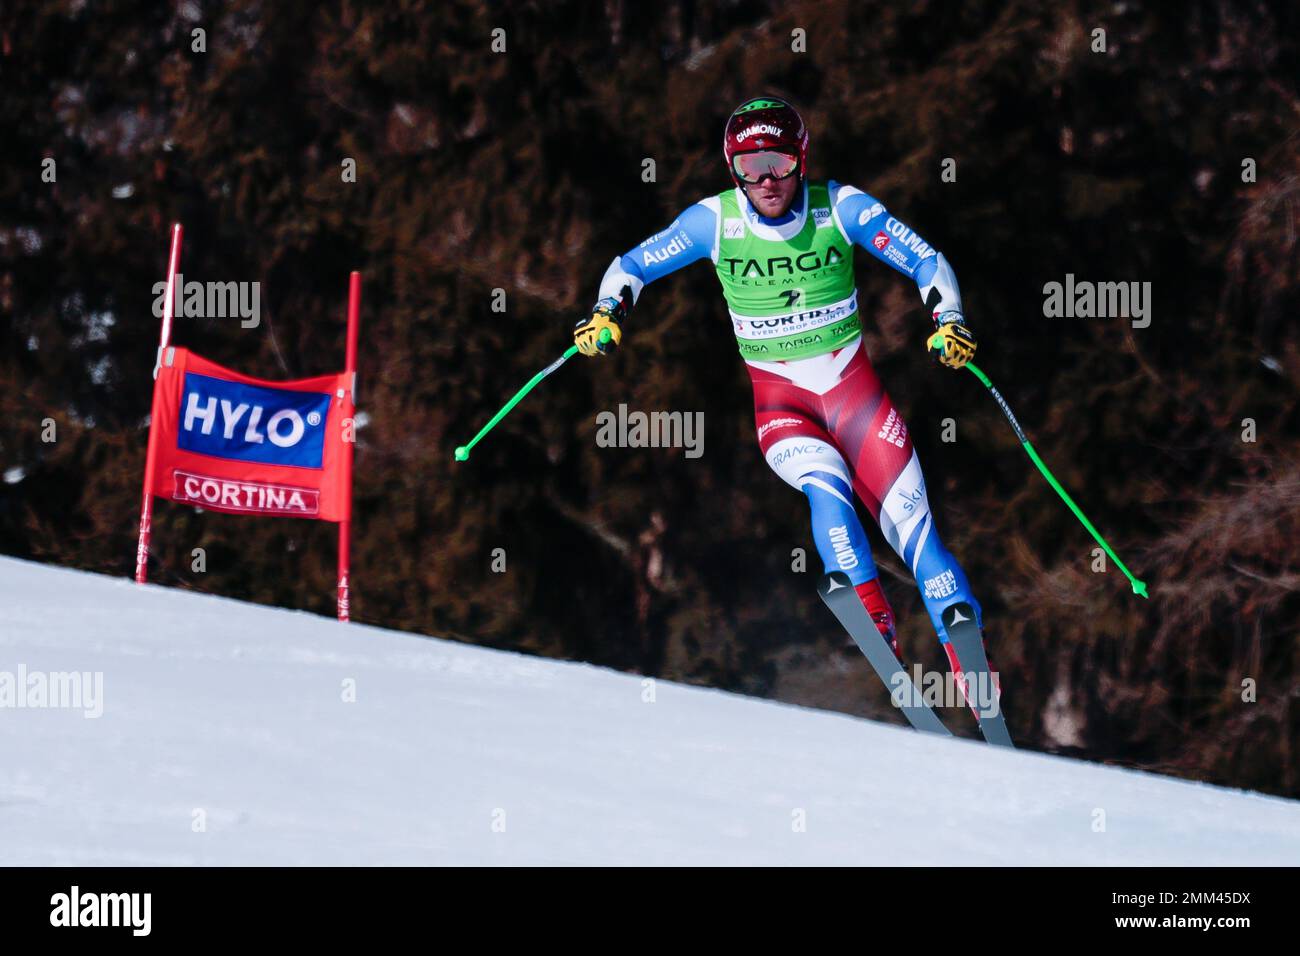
[{"x": 877, "y": 605}]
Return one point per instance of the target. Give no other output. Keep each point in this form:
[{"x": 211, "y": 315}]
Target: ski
[
  {"x": 838, "y": 594},
  {"x": 964, "y": 633}
]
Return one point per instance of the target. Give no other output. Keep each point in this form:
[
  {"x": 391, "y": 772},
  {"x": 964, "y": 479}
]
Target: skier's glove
[
  {"x": 606, "y": 316},
  {"x": 952, "y": 344}
]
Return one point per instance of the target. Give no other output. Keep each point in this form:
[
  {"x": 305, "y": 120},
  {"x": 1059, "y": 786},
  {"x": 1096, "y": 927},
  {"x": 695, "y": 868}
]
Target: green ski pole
[
  {"x": 462, "y": 451},
  {"x": 1139, "y": 587}
]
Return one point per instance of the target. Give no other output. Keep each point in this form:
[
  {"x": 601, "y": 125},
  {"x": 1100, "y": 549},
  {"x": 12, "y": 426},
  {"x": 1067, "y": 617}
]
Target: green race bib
[{"x": 789, "y": 298}]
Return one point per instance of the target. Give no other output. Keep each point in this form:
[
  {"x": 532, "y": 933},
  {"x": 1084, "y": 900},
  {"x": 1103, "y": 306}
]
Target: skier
[{"x": 782, "y": 247}]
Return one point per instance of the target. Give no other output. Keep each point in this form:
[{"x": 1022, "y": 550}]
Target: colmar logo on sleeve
[{"x": 919, "y": 247}]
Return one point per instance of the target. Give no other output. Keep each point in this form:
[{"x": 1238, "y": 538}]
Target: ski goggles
[{"x": 752, "y": 167}]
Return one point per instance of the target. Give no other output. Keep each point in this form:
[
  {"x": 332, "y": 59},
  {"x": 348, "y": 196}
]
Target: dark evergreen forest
[{"x": 1172, "y": 157}]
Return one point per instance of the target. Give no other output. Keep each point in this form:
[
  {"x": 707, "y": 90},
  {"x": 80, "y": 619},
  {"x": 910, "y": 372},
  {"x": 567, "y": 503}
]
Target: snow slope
[{"x": 225, "y": 738}]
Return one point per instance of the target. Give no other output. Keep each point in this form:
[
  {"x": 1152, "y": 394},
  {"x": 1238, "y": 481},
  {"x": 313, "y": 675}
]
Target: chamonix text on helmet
[{"x": 765, "y": 123}]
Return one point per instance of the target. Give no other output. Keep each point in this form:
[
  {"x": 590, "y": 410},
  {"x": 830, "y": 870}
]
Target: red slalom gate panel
[{"x": 228, "y": 442}]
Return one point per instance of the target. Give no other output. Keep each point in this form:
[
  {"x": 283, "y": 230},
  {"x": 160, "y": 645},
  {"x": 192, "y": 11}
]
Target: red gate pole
[
  {"x": 150, "y": 458},
  {"x": 349, "y": 417}
]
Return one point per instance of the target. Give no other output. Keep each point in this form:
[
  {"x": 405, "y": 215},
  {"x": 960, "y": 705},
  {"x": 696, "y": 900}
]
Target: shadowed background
[{"x": 522, "y": 171}]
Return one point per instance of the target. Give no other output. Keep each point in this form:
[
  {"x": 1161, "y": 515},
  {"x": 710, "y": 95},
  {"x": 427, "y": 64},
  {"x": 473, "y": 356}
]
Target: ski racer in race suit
[{"x": 782, "y": 247}]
